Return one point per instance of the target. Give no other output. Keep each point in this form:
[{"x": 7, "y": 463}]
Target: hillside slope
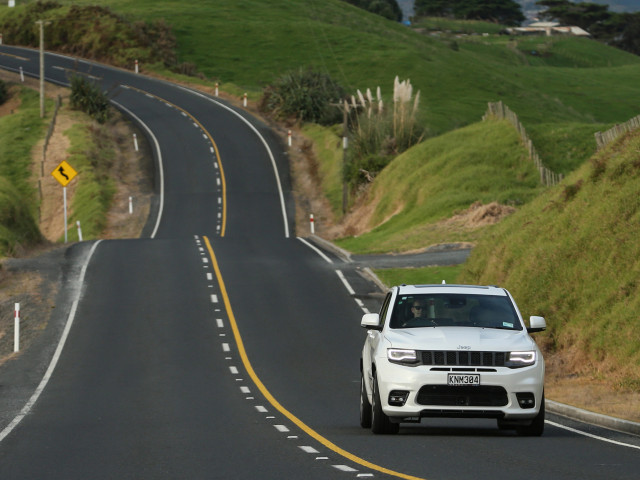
[
  {"x": 573, "y": 256},
  {"x": 409, "y": 201},
  {"x": 250, "y": 43}
]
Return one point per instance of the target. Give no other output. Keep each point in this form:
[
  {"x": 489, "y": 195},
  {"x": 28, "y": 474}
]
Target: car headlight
[
  {"x": 520, "y": 359},
  {"x": 402, "y": 356}
]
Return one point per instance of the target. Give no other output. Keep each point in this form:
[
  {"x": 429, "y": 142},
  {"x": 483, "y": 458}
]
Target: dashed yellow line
[
  {"x": 271, "y": 399},
  {"x": 215, "y": 148},
  {"x": 13, "y": 56}
]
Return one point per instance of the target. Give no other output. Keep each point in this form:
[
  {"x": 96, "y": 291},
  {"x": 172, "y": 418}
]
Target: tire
[
  {"x": 536, "y": 427},
  {"x": 380, "y": 422},
  {"x": 365, "y": 406}
]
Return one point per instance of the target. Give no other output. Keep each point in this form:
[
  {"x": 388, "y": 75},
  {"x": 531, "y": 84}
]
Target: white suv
[{"x": 451, "y": 351}]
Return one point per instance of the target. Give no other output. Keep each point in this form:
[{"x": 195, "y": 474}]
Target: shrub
[
  {"x": 304, "y": 95},
  {"x": 93, "y": 32},
  {"x": 87, "y": 97},
  {"x": 378, "y": 134}
]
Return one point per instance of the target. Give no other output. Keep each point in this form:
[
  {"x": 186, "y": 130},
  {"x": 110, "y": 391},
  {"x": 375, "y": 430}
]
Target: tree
[
  {"x": 385, "y": 8},
  {"x": 506, "y": 12},
  {"x": 621, "y": 30},
  {"x": 629, "y": 39},
  {"x": 303, "y": 95},
  {"x": 583, "y": 15}
]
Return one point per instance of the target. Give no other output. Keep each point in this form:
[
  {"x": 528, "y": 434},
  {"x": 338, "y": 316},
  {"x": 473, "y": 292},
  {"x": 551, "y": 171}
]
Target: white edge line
[
  {"x": 266, "y": 146},
  {"x": 590, "y": 435},
  {"x": 56, "y": 356},
  {"x": 315, "y": 249},
  {"x": 344, "y": 281},
  {"x": 160, "y": 164}
]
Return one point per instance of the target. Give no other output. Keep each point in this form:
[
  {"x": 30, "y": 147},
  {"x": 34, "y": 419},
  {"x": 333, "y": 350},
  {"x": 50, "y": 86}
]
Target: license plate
[{"x": 463, "y": 379}]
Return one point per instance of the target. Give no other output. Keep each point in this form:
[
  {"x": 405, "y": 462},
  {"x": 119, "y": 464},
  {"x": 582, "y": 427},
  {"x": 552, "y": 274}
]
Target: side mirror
[
  {"x": 371, "y": 321},
  {"x": 536, "y": 324}
]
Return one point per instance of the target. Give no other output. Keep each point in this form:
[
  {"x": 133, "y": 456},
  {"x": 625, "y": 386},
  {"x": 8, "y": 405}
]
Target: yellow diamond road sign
[{"x": 64, "y": 173}]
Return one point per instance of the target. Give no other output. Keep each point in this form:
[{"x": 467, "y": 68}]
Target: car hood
[{"x": 460, "y": 338}]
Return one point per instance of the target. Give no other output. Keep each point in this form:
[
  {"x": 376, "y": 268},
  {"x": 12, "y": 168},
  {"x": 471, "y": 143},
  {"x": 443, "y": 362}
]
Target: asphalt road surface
[{"x": 221, "y": 346}]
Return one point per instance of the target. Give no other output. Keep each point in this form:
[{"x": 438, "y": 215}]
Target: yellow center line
[
  {"x": 271, "y": 399},
  {"x": 215, "y": 148},
  {"x": 4, "y": 54}
]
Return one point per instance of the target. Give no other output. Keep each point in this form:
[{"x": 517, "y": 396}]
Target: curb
[
  {"x": 598, "y": 419},
  {"x": 336, "y": 250}
]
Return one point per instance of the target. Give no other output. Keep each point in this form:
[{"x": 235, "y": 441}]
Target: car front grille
[
  {"x": 468, "y": 396},
  {"x": 463, "y": 358}
]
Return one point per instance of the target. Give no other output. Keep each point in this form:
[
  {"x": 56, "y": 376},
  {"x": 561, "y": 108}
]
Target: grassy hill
[
  {"x": 573, "y": 256},
  {"x": 563, "y": 93},
  {"x": 484, "y": 162}
]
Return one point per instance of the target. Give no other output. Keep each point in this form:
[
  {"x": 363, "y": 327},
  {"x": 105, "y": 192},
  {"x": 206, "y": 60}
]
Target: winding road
[{"x": 219, "y": 345}]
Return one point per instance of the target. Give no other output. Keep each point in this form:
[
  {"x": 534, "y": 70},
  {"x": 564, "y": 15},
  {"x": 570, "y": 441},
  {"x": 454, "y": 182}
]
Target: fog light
[
  {"x": 526, "y": 400},
  {"x": 397, "y": 398}
]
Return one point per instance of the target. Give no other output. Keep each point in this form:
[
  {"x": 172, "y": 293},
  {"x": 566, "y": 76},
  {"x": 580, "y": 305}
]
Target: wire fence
[
  {"x": 500, "y": 110},
  {"x": 604, "y": 138}
]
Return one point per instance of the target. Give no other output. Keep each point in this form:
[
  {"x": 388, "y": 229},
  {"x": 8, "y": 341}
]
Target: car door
[{"x": 372, "y": 342}]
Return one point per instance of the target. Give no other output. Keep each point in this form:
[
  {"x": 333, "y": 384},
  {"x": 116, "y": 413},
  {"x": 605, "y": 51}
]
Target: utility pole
[
  {"x": 345, "y": 144},
  {"x": 41, "y": 24}
]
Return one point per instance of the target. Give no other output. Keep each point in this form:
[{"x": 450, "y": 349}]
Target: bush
[
  {"x": 87, "y": 97},
  {"x": 304, "y": 96},
  {"x": 377, "y": 133},
  {"x": 92, "y": 32}
]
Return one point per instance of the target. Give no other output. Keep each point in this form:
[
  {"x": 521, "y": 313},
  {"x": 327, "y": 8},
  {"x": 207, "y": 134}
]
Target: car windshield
[{"x": 454, "y": 310}]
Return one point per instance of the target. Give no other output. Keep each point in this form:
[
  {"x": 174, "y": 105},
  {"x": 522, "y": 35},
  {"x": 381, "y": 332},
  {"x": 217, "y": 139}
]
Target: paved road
[{"x": 219, "y": 346}]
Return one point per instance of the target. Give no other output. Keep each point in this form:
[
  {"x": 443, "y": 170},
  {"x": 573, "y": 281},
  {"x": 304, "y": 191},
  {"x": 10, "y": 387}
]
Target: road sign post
[{"x": 64, "y": 173}]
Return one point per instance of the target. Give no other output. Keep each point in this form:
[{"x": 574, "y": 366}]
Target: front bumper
[{"x": 422, "y": 391}]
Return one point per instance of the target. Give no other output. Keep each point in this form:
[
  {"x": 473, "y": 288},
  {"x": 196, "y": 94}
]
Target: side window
[{"x": 384, "y": 309}]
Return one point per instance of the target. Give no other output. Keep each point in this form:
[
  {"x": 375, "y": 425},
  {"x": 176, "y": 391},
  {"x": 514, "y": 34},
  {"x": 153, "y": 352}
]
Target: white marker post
[
  {"x": 79, "y": 231},
  {"x": 16, "y": 333},
  {"x": 289, "y": 137},
  {"x": 311, "y": 225},
  {"x": 217, "y": 89},
  {"x": 244, "y": 100},
  {"x": 21, "y": 75},
  {"x": 136, "y": 66},
  {"x": 130, "y": 205},
  {"x": 135, "y": 141}
]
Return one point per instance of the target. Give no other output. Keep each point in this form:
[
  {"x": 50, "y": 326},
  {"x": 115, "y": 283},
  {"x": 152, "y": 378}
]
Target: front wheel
[
  {"x": 365, "y": 406},
  {"x": 380, "y": 422}
]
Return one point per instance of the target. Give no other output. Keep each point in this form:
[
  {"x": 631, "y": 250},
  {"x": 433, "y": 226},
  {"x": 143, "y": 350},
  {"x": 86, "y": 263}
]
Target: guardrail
[{"x": 500, "y": 110}]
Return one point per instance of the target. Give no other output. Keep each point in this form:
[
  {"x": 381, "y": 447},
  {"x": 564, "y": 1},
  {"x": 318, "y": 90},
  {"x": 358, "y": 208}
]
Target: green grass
[
  {"x": 418, "y": 276},
  {"x": 572, "y": 255},
  {"x": 91, "y": 155},
  {"x": 327, "y": 148},
  {"x": 19, "y": 132},
  {"x": 483, "y": 162},
  {"x": 251, "y": 42}
]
